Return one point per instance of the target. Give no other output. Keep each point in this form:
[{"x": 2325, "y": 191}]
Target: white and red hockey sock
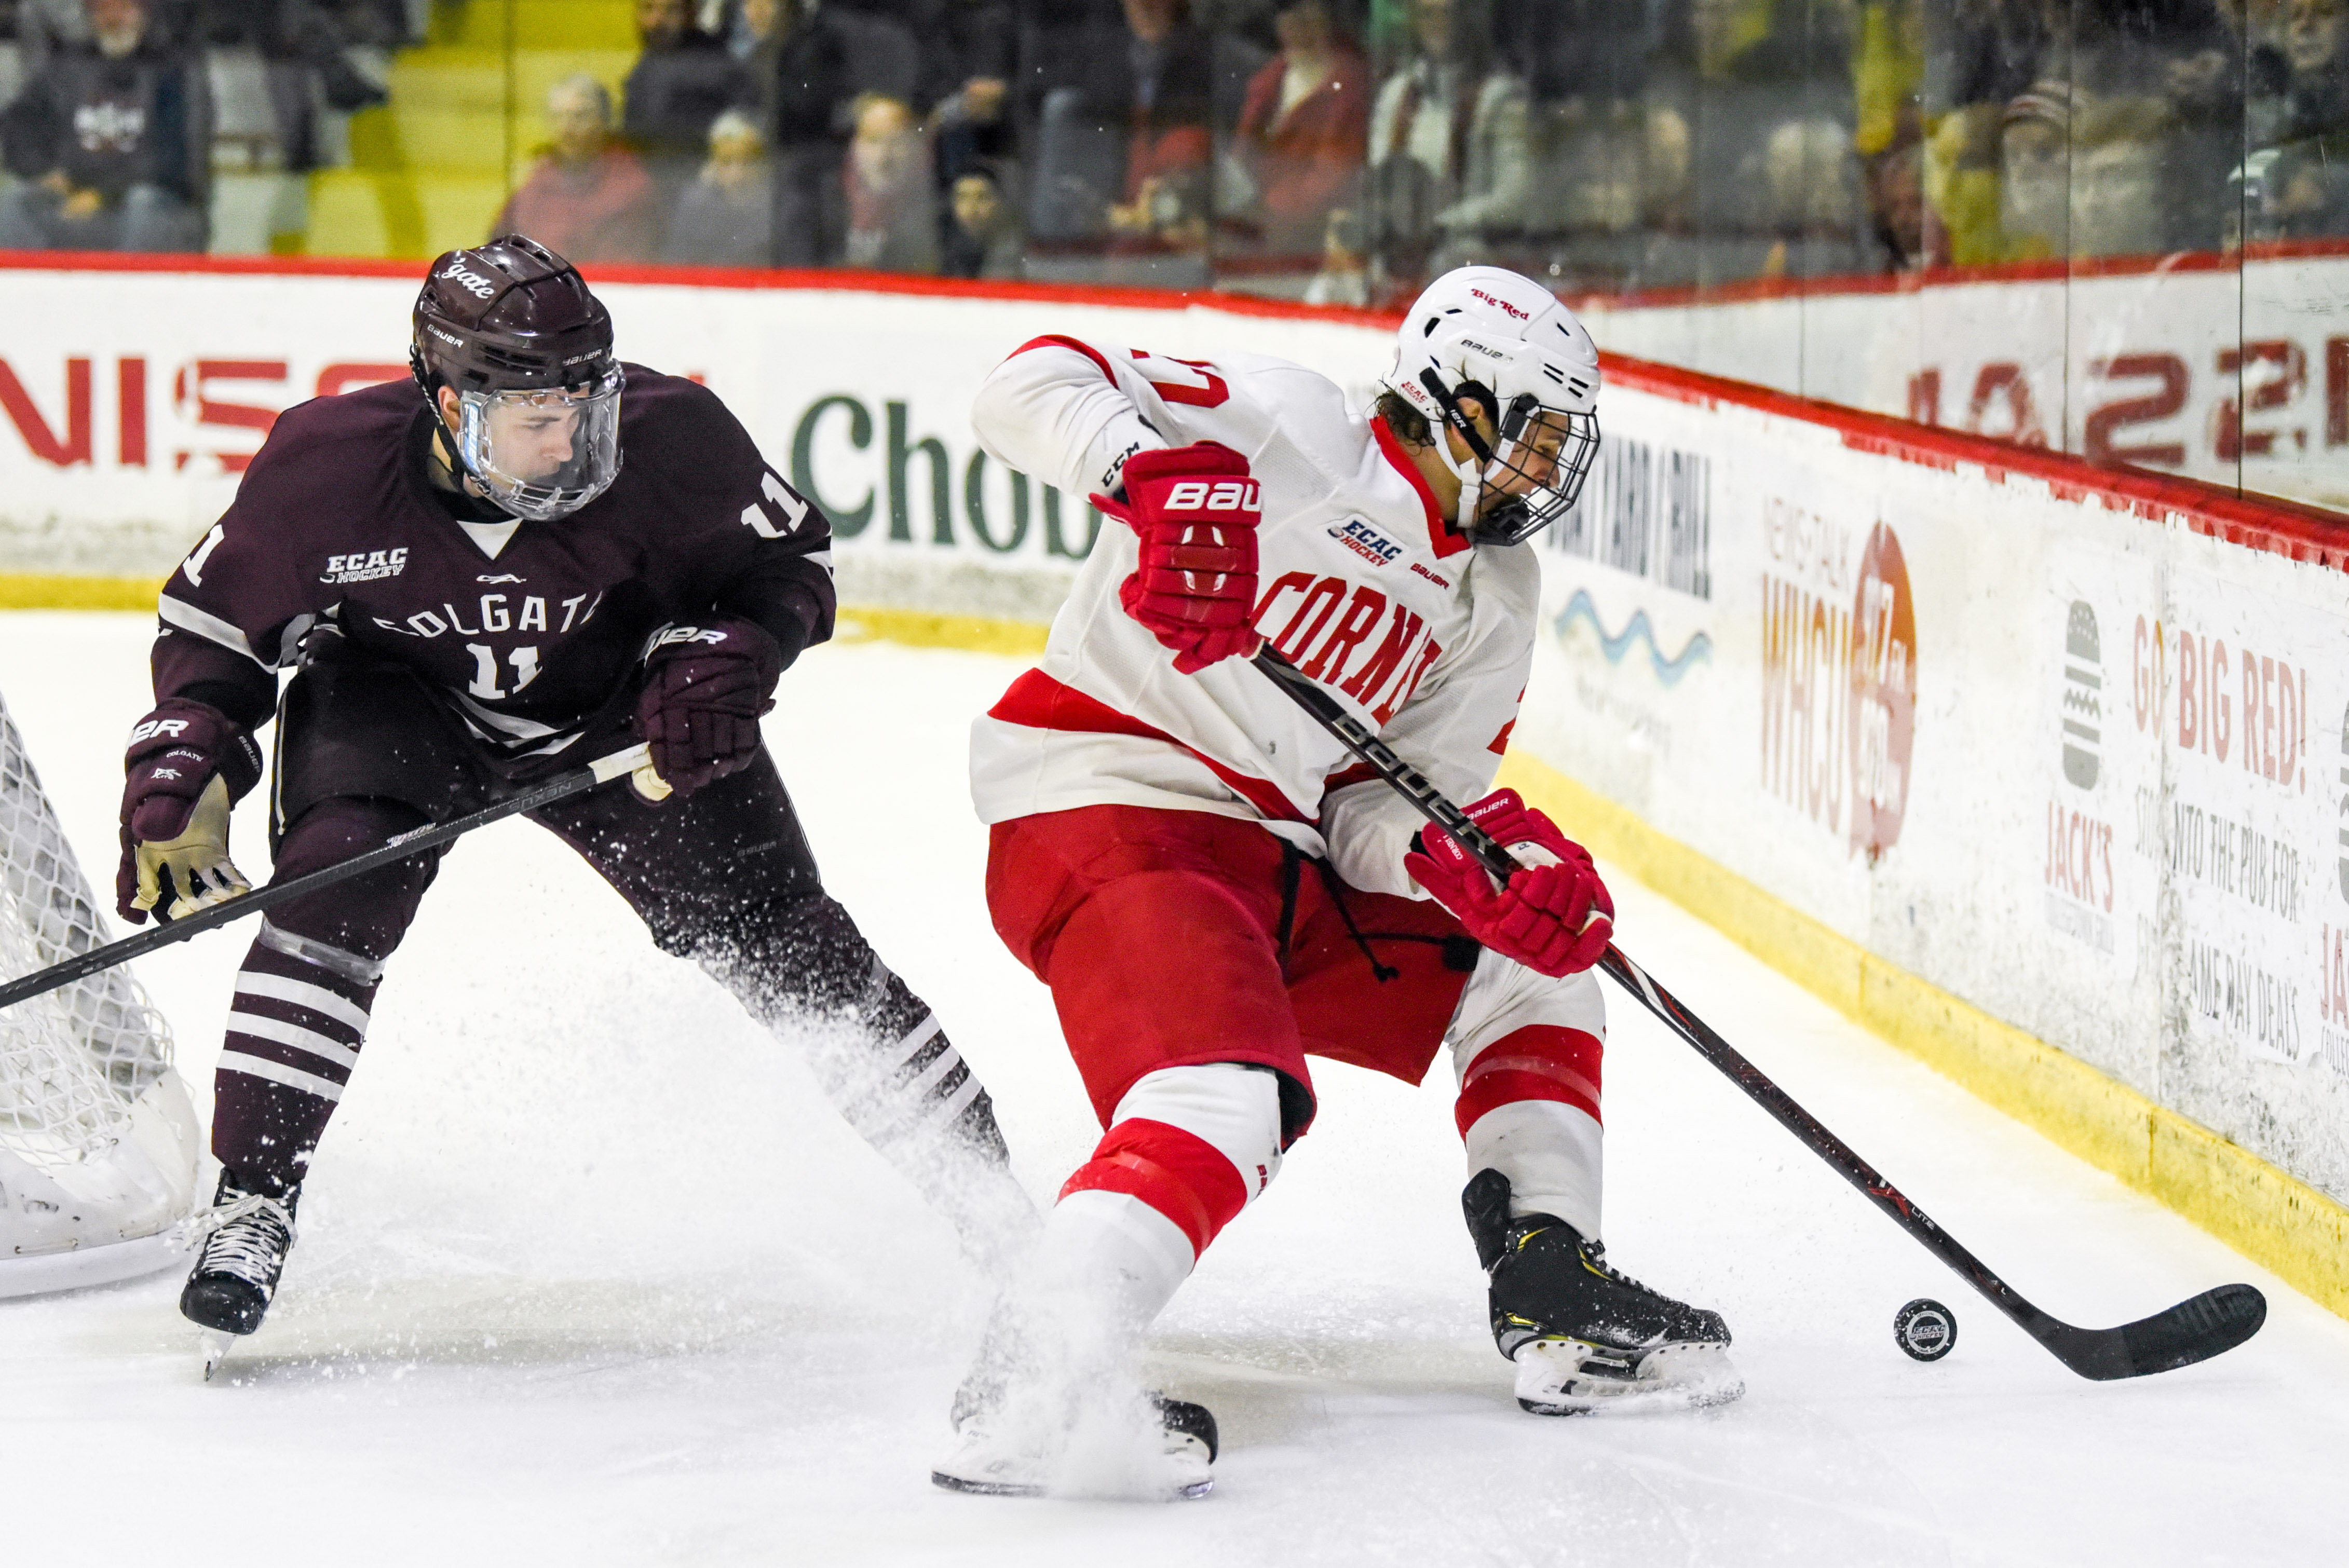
[
  {"x": 1188, "y": 1149},
  {"x": 1528, "y": 1108}
]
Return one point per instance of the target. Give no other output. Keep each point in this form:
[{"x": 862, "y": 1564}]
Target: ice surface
[{"x": 590, "y": 1275}]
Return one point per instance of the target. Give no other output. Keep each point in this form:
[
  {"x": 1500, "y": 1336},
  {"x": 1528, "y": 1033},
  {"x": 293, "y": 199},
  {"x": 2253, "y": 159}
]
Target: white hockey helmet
[{"x": 1504, "y": 340}]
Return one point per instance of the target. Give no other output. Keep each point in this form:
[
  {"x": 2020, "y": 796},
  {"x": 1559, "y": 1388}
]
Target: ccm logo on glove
[{"x": 1554, "y": 916}]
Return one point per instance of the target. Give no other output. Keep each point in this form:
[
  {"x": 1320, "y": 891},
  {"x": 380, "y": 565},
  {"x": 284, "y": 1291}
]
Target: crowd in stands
[{"x": 1342, "y": 150}]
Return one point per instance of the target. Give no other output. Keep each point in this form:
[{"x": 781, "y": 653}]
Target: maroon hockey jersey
[{"x": 527, "y": 627}]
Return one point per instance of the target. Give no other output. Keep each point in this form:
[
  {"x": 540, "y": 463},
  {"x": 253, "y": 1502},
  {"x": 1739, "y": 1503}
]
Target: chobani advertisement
[{"x": 2047, "y": 743}]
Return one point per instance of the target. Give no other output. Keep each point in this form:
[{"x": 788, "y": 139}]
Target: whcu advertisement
[{"x": 2059, "y": 754}]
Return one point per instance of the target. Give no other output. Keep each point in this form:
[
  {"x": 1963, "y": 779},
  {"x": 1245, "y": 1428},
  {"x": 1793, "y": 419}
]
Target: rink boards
[
  {"x": 2217, "y": 365},
  {"x": 1998, "y": 751}
]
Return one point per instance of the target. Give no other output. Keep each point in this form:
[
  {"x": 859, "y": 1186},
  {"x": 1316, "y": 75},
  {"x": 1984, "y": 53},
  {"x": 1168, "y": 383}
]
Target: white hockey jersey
[{"x": 1364, "y": 584}]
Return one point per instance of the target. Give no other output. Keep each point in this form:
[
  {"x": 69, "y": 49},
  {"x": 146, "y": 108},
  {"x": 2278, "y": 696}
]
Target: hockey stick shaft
[
  {"x": 2191, "y": 1331},
  {"x": 562, "y": 786}
]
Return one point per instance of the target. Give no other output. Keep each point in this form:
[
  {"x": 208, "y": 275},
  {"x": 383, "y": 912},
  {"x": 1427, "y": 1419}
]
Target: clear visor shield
[
  {"x": 546, "y": 453},
  {"x": 1536, "y": 472}
]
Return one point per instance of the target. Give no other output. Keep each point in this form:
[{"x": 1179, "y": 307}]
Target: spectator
[
  {"x": 1163, "y": 90},
  {"x": 884, "y": 55},
  {"x": 2035, "y": 177},
  {"x": 2257, "y": 33},
  {"x": 317, "y": 55},
  {"x": 1896, "y": 205},
  {"x": 1448, "y": 132},
  {"x": 1887, "y": 68},
  {"x": 2303, "y": 196},
  {"x": 2182, "y": 59},
  {"x": 2316, "y": 53},
  {"x": 107, "y": 139},
  {"x": 586, "y": 198},
  {"x": 681, "y": 82},
  {"x": 799, "y": 82},
  {"x": 2296, "y": 187},
  {"x": 971, "y": 54},
  {"x": 982, "y": 238},
  {"x": 725, "y": 217},
  {"x": 1808, "y": 192},
  {"x": 1981, "y": 55},
  {"x": 893, "y": 220},
  {"x": 1345, "y": 275},
  {"x": 1302, "y": 128},
  {"x": 2121, "y": 150}
]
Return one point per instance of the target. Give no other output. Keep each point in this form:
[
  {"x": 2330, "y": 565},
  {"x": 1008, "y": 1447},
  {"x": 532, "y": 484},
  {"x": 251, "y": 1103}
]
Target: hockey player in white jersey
[{"x": 1214, "y": 894}]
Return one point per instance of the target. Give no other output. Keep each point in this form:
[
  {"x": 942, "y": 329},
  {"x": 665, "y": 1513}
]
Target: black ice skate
[
  {"x": 246, "y": 1237},
  {"x": 1585, "y": 1338}
]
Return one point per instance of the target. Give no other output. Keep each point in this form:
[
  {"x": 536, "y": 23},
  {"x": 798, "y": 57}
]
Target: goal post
[{"x": 98, "y": 1138}]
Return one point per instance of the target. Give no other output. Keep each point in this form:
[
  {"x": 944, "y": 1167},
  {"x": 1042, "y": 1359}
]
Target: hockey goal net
[{"x": 97, "y": 1136}]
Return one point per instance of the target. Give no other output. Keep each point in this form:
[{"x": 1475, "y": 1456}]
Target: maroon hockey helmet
[{"x": 511, "y": 328}]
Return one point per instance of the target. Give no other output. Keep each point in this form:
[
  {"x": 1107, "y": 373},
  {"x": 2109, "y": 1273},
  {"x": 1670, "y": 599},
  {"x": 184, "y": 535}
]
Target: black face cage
[{"x": 1518, "y": 518}]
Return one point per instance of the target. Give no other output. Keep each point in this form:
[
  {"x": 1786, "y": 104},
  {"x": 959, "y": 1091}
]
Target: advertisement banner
[
  {"x": 2046, "y": 740},
  {"x": 132, "y": 401},
  {"x": 2233, "y": 371},
  {"x": 2056, "y": 752}
]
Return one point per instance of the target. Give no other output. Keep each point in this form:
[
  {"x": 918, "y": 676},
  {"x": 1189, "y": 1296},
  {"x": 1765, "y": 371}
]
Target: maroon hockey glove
[
  {"x": 1195, "y": 511},
  {"x": 1554, "y": 917},
  {"x": 705, "y": 688},
  {"x": 188, "y": 762}
]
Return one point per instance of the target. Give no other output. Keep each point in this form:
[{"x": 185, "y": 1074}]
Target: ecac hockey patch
[
  {"x": 1365, "y": 541},
  {"x": 364, "y": 566}
]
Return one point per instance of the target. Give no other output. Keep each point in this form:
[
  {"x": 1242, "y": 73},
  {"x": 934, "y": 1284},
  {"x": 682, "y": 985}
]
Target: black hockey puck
[{"x": 1925, "y": 1329}]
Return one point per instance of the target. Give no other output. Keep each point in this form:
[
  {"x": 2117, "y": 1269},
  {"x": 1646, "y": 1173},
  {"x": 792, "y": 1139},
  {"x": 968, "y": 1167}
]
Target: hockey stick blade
[
  {"x": 563, "y": 786},
  {"x": 2194, "y": 1330}
]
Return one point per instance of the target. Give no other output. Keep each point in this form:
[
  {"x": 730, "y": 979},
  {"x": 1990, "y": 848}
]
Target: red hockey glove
[
  {"x": 1554, "y": 917},
  {"x": 187, "y": 764},
  {"x": 705, "y": 688},
  {"x": 1195, "y": 511}
]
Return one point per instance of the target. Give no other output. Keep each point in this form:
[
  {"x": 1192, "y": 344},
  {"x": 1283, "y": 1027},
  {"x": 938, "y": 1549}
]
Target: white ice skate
[
  {"x": 1049, "y": 1408},
  {"x": 1000, "y": 1455}
]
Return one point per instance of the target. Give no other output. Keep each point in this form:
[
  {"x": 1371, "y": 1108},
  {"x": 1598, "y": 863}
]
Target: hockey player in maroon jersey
[
  {"x": 547, "y": 554},
  {"x": 1214, "y": 891}
]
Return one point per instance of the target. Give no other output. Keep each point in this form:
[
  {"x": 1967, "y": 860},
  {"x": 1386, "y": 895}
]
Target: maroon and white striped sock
[{"x": 294, "y": 1036}]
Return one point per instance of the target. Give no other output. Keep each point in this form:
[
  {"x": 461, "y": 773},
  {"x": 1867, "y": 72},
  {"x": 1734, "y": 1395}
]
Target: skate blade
[
  {"x": 969, "y": 1487},
  {"x": 1572, "y": 1377},
  {"x": 215, "y": 1344}
]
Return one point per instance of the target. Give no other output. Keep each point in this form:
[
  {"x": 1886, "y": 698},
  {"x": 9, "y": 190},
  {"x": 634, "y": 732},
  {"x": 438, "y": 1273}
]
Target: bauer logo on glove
[
  {"x": 186, "y": 766},
  {"x": 1195, "y": 509},
  {"x": 704, "y": 690}
]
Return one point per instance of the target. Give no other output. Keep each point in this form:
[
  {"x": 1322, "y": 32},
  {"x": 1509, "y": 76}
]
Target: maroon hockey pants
[{"x": 724, "y": 877}]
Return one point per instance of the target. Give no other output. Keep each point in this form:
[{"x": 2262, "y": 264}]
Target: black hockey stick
[
  {"x": 562, "y": 786},
  {"x": 2194, "y": 1330}
]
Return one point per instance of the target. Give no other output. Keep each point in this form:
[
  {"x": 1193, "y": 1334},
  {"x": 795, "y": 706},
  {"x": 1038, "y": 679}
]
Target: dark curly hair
[{"x": 1403, "y": 420}]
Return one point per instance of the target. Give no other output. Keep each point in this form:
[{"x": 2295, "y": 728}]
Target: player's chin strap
[{"x": 1471, "y": 474}]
